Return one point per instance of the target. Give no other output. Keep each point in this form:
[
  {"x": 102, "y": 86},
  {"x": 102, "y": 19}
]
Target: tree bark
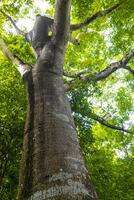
[{"x": 52, "y": 166}]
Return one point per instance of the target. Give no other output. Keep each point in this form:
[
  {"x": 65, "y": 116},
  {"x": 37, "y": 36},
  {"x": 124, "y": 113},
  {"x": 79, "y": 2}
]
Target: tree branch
[
  {"x": 22, "y": 67},
  {"x": 112, "y": 68},
  {"x": 13, "y": 23},
  {"x": 62, "y": 21},
  {"x": 93, "y": 76},
  {"x": 94, "y": 17},
  {"x": 105, "y": 123},
  {"x": 129, "y": 69},
  {"x": 78, "y": 75},
  {"x": 19, "y": 31}
]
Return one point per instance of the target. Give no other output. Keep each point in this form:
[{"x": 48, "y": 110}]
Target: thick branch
[
  {"x": 112, "y": 68},
  {"x": 62, "y": 21},
  {"x": 105, "y": 123},
  {"x": 13, "y": 23},
  {"x": 22, "y": 67},
  {"x": 94, "y": 17},
  {"x": 93, "y": 76}
]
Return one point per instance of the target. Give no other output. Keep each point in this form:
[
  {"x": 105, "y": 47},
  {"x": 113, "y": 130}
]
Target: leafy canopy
[{"x": 108, "y": 152}]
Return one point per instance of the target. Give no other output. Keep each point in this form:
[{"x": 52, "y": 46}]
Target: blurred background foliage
[{"x": 109, "y": 154}]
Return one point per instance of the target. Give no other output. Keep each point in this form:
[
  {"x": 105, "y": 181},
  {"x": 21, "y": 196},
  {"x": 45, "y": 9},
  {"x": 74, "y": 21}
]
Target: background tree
[{"x": 104, "y": 37}]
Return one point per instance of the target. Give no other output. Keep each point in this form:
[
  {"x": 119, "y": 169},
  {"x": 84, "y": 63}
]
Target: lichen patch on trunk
[{"x": 71, "y": 189}]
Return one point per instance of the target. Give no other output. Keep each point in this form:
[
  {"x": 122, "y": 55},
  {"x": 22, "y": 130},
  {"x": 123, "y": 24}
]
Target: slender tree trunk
[{"x": 52, "y": 166}]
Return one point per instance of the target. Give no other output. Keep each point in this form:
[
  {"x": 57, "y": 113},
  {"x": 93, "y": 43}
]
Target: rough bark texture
[{"x": 52, "y": 166}]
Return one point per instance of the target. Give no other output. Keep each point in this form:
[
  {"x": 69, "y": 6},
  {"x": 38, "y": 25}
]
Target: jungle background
[{"x": 102, "y": 108}]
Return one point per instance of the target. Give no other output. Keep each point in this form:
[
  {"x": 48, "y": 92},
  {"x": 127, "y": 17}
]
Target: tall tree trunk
[{"x": 52, "y": 166}]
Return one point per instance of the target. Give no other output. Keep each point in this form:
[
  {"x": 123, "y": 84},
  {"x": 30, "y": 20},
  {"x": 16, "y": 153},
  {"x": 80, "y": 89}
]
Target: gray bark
[{"x": 52, "y": 166}]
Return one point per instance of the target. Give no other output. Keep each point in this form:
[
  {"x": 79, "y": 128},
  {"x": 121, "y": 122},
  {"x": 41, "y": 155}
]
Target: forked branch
[
  {"x": 98, "y": 76},
  {"x": 111, "y": 68}
]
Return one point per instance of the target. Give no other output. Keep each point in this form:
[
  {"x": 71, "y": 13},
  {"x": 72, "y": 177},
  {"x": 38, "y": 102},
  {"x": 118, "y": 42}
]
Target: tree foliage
[{"x": 108, "y": 152}]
